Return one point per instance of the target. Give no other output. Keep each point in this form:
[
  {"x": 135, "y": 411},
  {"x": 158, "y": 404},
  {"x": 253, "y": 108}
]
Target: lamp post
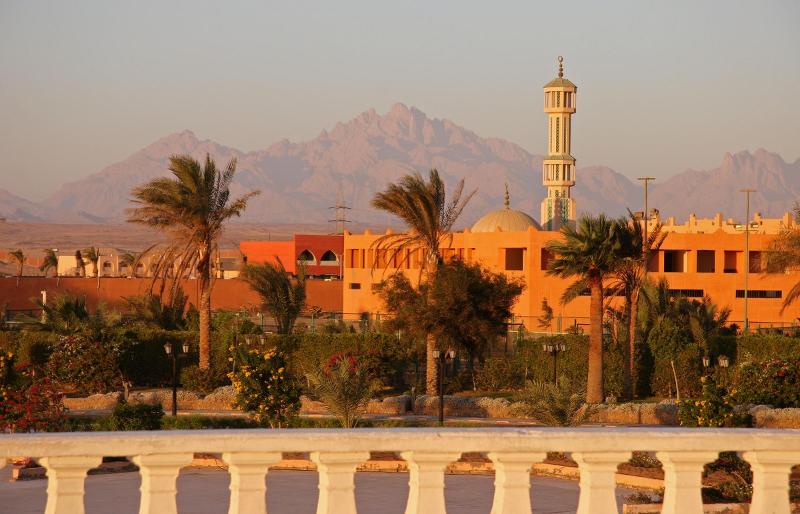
[
  {"x": 722, "y": 363},
  {"x": 554, "y": 349},
  {"x": 746, "y": 227},
  {"x": 174, "y": 354},
  {"x": 441, "y": 359},
  {"x": 646, "y": 216}
]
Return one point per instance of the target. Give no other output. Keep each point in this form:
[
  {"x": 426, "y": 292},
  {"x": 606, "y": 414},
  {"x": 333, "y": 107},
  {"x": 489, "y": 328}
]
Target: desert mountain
[{"x": 300, "y": 181}]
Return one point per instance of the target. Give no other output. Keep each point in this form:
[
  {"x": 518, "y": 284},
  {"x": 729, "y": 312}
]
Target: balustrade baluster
[
  {"x": 65, "y": 479},
  {"x": 159, "y": 473},
  {"x": 598, "y": 485},
  {"x": 771, "y": 471},
  {"x": 426, "y": 481},
  {"x": 248, "y": 487},
  {"x": 683, "y": 475},
  {"x": 512, "y": 481},
  {"x": 337, "y": 481}
]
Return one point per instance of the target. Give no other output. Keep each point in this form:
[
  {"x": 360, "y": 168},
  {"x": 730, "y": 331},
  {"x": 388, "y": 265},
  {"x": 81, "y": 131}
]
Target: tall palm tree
[
  {"x": 18, "y": 256},
  {"x": 49, "y": 262},
  {"x": 429, "y": 216},
  {"x": 591, "y": 251},
  {"x": 629, "y": 278},
  {"x": 80, "y": 264},
  {"x": 283, "y": 297},
  {"x": 191, "y": 208},
  {"x": 130, "y": 260},
  {"x": 93, "y": 254},
  {"x": 706, "y": 320},
  {"x": 784, "y": 254}
]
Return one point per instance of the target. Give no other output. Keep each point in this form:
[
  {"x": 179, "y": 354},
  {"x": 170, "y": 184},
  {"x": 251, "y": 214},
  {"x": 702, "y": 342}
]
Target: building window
[
  {"x": 354, "y": 285},
  {"x": 674, "y": 261},
  {"x": 557, "y": 132},
  {"x": 306, "y": 258},
  {"x": 731, "y": 261},
  {"x": 558, "y": 99},
  {"x": 687, "y": 293},
  {"x": 329, "y": 259},
  {"x": 515, "y": 259},
  {"x": 705, "y": 261},
  {"x": 755, "y": 262},
  {"x": 546, "y": 257},
  {"x": 760, "y": 293}
]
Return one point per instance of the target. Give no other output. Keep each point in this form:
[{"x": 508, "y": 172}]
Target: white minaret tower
[{"x": 558, "y": 168}]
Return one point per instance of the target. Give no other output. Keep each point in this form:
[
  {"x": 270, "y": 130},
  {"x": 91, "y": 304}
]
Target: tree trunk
[
  {"x": 204, "y": 283},
  {"x": 632, "y": 332},
  {"x": 627, "y": 351},
  {"x": 594, "y": 381},
  {"x": 431, "y": 367}
]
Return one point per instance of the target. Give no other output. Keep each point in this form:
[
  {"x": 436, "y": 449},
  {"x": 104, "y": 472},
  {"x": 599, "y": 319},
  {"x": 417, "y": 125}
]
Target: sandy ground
[{"x": 204, "y": 491}]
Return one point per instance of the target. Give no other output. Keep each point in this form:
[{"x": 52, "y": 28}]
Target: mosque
[{"x": 700, "y": 257}]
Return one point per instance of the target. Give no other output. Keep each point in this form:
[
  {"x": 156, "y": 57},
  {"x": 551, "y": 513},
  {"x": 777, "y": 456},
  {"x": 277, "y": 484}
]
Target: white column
[
  {"x": 683, "y": 474},
  {"x": 248, "y": 472},
  {"x": 159, "y": 473},
  {"x": 771, "y": 471},
  {"x": 512, "y": 481},
  {"x": 598, "y": 486},
  {"x": 65, "y": 478},
  {"x": 426, "y": 481},
  {"x": 336, "y": 480}
]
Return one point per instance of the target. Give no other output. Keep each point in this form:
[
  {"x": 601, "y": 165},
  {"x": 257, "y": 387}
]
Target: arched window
[
  {"x": 329, "y": 259},
  {"x": 307, "y": 258}
]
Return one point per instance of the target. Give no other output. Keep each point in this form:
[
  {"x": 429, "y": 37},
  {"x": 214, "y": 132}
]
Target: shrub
[
  {"x": 264, "y": 388},
  {"x": 501, "y": 373},
  {"x": 687, "y": 364},
  {"x": 773, "y": 382},
  {"x": 196, "y": 422},
  {"x": 559, "y": 405},
  {"x": 758, "y": 347},
  {"x": 713, "y": 409},
  {"x": 135, "y": 417},
  {"x": 27, "y": 403},
  {"x": 89, "y": 365},
  {"x": 345, "y": 385},
  {"x": 200, "y": 380}
]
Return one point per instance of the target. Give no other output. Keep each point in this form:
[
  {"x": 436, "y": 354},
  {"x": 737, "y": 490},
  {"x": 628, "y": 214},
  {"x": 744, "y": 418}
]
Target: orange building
[
  {"x": 701, "y": 257},
  {"x": 320, "y": 254}
]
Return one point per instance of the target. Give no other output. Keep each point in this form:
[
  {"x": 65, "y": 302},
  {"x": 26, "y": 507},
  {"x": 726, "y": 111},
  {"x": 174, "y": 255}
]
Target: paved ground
[{"x": 204, "y": 491}]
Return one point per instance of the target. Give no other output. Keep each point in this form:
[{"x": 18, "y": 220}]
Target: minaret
[{"x": 558, "y": 168}]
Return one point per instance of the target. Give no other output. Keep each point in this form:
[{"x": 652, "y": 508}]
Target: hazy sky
[{"x": 662, "y": 86}]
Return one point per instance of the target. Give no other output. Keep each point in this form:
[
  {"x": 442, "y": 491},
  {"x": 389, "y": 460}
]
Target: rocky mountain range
[{"x": 299, "y": 182}]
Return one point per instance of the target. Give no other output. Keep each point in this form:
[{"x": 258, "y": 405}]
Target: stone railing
[{"x": 337, "y": 453}]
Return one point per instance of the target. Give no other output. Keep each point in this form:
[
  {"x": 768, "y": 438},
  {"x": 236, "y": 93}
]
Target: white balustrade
[{"x": 337, "y": 453}]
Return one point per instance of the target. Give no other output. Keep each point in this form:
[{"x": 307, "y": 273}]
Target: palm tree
[
  {"x": 429, "y": 217},
  {"x": 80, "y": 264},
  {"x": 191, "y": 208},
  {"x": 93, "y": 254},
  {"x": 592, "y": 252},
  {"x": 283, "y": 297},
  {"x": 130, "y": 260},
  {"x": 705, "y": 321},
  {"x": 784, "y": 254},
  {"x": 49, "y": 262},
  {"x": 629, "y": 279},
  {"x": 20, "y": 258}
]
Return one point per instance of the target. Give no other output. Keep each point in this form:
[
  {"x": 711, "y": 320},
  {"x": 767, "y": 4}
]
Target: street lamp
[
  {"x": 646, "y": 181},
  {"x": 441, "y": 359},
  {"x": 747, "y": 227},
  {"x": 554, "y": 349},
  {"x": 174, "y": 354}
]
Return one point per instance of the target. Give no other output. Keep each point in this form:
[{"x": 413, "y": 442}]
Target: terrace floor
[{"x": 204, "y": 491}]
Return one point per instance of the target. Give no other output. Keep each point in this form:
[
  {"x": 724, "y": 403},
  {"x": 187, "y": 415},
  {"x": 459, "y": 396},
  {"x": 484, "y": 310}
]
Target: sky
[{"x": 662, "y": 86}]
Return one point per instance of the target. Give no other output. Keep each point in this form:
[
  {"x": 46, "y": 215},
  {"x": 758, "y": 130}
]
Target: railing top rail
[{"x": 589, "y": 439}]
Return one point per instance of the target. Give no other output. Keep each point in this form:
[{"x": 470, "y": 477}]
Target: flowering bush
[
  {"x": 263, "y": 387},
  {"x": 27, "y": 404},
  {"x": 773, "y": 382},
  {"x": 90, "y": 365},
  {"x": 345, "y": 385},
  {"x": 713, "y": 409}
]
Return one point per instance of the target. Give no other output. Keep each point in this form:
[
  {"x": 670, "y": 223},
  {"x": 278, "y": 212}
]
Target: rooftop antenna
[{"x": 340, "y": 212}]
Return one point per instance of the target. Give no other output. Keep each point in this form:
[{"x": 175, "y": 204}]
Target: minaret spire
[
  {"x": 558, "y": 167},
  {"x": 507, "y": 201}
]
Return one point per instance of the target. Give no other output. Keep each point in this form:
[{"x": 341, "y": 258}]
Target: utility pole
[
  {"x": 340, "y": 213},
  {"x": 646, "y": 181}
]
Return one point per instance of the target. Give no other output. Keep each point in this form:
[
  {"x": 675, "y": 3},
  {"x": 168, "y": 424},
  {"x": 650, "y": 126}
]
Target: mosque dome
[{"x": 505, "y": 219}]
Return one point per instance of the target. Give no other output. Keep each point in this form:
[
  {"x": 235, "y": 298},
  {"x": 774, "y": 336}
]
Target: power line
[{"x": 340, "y": 212}]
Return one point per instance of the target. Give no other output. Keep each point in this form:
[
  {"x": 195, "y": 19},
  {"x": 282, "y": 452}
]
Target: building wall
[
  {"x": 227, "y": 294},
  {"x": 490, "y": 249},
  {"x": 290, "y": 251}
]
